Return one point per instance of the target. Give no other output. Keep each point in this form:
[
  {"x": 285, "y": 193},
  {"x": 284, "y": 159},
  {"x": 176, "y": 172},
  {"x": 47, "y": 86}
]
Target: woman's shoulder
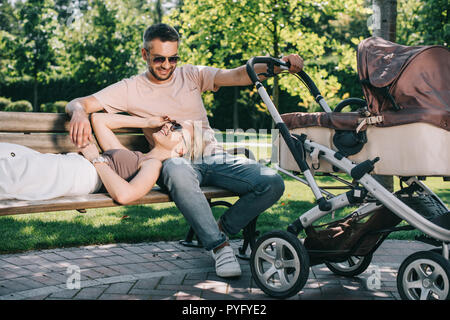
[{"x": 123, "y": 154}]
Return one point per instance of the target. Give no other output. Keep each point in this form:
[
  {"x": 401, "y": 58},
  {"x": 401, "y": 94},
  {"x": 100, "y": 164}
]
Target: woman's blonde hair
[{"x": 194, "y": 141}]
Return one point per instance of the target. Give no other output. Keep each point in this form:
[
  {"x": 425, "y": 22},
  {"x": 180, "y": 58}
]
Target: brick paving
[{"x": 170, "y": 271}]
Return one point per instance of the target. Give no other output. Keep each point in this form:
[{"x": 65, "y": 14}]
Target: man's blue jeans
[{"x": 258, "y": 187}]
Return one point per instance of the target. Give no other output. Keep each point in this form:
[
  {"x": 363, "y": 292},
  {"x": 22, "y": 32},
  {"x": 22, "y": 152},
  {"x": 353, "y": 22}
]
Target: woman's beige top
[{"x": 124, "y": 162}]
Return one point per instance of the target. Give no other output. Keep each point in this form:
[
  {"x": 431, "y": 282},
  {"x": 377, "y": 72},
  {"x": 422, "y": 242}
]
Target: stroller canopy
[{"x": 405, "y": 84}]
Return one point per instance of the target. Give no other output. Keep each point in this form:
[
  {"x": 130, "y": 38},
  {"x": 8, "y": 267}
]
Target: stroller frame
[{"x": 296, "y": 263}]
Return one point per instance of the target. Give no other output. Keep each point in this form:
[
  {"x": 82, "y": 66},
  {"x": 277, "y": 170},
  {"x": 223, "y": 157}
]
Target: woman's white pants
[{"x": 26, "y": 174}]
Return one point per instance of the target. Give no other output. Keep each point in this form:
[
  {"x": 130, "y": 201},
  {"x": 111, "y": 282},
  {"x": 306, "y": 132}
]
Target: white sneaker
[{"x": 226, "y": 263}]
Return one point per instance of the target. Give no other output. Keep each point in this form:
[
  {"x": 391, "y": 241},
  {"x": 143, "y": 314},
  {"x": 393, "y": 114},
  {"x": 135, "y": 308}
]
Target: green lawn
[
  {"x": 161, "y": 222},
  {"x": 148, "y": 222}
]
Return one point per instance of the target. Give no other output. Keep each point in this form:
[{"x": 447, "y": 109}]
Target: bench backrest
[{"x": 48, "y": 132}]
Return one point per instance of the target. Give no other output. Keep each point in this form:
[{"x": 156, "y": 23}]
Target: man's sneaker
[{"x": 226, "y": 263}]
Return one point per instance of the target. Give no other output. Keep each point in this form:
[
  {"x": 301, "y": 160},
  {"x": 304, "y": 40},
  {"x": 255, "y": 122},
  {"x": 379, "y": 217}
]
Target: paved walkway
[{"x": 168, "y": 270}]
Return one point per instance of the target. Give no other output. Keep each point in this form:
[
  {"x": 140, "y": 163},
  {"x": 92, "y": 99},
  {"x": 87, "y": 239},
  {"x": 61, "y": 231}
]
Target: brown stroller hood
[{"x": 416, "y": 78}]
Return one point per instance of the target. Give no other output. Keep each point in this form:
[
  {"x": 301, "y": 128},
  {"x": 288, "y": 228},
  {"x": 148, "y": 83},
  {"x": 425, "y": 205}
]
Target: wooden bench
[{"x": 48, "y": 133}]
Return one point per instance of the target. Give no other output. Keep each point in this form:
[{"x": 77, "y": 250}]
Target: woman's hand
[
  {"x": 157, "y": 121},
  {"x": 90, "y": 152}
]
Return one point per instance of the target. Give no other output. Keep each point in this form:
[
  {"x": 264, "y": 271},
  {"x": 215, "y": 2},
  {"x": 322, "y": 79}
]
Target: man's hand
[
  {"x": 80, "y": 129},
  {"x": 90, "y": 152},
  {"x": 157, "y": 122},
  {"x": 296, "y": 62}
]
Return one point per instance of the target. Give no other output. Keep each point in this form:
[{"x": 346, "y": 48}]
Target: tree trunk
[
  {"x": 35, "y": 95},
  {"x": 385, "y": 26},
  {"x": 235, "y": 108},
  {"x": 158, "y": 11},
  {"x": 385, "y": 19}
]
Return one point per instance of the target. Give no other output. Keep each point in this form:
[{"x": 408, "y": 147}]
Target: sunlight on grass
[
  {"x": 159, "y": 222},
  {"x": 27, "y": 230}
]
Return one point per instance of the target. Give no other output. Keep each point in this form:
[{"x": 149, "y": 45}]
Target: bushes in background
[
  {"x": 4, "y": 103},
  {"x": 20, "y": 106},
  {"x": 58, "y": 106},
  {"x": 25, "y": 106}
]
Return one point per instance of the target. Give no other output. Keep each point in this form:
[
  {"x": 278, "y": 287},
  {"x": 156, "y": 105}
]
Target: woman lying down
[{"x": 26, "y": 174}]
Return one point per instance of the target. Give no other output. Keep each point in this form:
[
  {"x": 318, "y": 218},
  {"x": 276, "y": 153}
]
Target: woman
[
  {"x": 129, "y": 175},
  {"x": 29, "y": 175}
]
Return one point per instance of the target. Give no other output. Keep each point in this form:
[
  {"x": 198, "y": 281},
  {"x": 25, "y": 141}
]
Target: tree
[
  {"x": 103, "y": 45},
  {"x": 226, "y": 34},
  {"x": 34, "y": 52},
  {"x": 434, "y": 22},
  {"x": 385, "y": 12},
  {"x": 385, "y": 15},
  {"x": 7, "y": 61},
  {"x": 8, "y": 20},
  {"x": 423, "y": 22}
]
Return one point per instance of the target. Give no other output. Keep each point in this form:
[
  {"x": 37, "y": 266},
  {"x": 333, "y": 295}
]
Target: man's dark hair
[{"x": 160, "y": 31}]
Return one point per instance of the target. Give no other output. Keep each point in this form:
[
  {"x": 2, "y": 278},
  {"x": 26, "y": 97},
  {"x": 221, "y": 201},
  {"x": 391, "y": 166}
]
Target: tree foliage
[
  {"x": 76, "y": 47},
  {"x": 34, "y": 51},
  {"x": 226, "y": 34},
  {"x": 103, "y": 46},
  {"x": 423, "y": 22}
]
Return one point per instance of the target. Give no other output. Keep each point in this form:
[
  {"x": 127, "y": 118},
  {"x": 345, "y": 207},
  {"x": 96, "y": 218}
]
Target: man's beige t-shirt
[{"x": 180, "y": 99}]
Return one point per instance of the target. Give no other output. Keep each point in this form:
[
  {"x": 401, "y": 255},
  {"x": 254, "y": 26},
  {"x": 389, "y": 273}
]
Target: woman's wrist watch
[{"x": 99, "y": 159}]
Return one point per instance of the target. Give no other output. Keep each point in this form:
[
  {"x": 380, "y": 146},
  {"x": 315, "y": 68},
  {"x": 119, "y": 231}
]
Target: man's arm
[
  {"x": 80, "y": 130},
  {"x": 239, "y": 76}
]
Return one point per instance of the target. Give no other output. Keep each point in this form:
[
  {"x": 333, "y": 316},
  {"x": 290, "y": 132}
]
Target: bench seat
[{"x": 91, "y": 201}]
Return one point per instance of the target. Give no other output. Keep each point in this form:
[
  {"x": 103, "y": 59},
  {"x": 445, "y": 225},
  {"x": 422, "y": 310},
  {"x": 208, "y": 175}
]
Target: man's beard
[{"x": 152, "y": 71}]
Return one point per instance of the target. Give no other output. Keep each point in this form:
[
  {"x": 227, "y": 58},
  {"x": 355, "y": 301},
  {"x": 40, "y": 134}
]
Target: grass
[{"x": 158, "y": 222}]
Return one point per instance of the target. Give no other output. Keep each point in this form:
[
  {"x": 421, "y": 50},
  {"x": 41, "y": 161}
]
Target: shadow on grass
[
  {"x": 444, "y": 194},
  {"x": 131, "y": 224}
]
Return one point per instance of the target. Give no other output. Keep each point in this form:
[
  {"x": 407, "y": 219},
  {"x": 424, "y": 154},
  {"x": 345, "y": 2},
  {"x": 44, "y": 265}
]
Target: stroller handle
[
  {"x": 295, "y": 144},
  {"x": 271, "y": 62}
]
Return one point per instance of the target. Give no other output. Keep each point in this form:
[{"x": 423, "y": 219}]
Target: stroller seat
[
  {"x": 407, "y": 118},
  {"x": 414, "y": 149}
]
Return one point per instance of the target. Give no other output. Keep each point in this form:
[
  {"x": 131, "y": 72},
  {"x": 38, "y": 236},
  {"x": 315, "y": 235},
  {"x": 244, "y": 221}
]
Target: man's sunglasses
[{"x": 162, "y": 59}]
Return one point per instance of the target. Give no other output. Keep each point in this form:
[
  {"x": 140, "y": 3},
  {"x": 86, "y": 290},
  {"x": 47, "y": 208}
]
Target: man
[{"x": 166, "y": 90}]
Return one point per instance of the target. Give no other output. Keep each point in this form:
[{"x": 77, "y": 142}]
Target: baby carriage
[{"x": 401, "y": 129}]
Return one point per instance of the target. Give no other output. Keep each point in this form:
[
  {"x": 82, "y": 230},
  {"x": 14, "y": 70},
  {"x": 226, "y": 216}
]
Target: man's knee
[
  {"x": 276, "y": 185},
  {"x": 178, "y": 172},
  {"x": 267, "y": 178}
]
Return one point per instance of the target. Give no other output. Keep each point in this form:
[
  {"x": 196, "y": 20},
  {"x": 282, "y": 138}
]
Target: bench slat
[
  {"x": 61, "y": 143},
  {"x": 91, "y": 201},
  {"x": 41, "y": 122}
]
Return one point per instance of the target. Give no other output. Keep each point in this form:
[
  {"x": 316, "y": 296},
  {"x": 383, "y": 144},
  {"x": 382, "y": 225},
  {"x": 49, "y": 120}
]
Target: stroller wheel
[
  {"x": 353, "y": 266},
  {"x": 424, "y": 275},
  {"x": 279, "y": 264},
  {"x": 439, "y": 251}
]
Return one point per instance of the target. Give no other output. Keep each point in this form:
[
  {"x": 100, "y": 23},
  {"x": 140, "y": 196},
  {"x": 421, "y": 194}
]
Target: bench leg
[
  {"x": 189, "y": 242},
  {"x": 250, "y": 234}
]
